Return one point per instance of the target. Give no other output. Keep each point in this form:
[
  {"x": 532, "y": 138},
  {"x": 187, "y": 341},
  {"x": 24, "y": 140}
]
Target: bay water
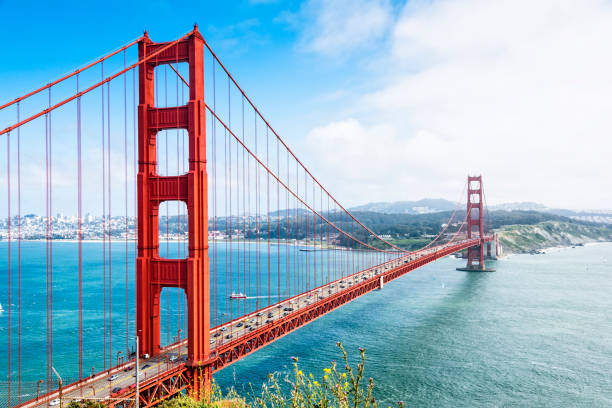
[{"x": 537, "y": 332}]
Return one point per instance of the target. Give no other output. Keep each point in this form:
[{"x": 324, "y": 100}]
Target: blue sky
[
  {"x": 384, "y": 100},
  {"x": 253, "y": 38}
]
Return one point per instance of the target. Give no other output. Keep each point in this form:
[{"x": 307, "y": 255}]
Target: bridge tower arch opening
[{"x": 153, "y": 273}]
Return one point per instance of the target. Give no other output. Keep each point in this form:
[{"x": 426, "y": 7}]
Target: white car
[
  {"x": 54, "y": 402},
  {"x": 113, "y": 377}
]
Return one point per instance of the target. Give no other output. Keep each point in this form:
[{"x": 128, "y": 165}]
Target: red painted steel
[
  {"x": 152, "y": 272},
  {"x": 475, "y": 203}
]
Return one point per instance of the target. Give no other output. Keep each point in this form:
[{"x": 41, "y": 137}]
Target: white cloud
[
  {"x": 338, "y": 27},
  {"x": 519, "y": 91}
]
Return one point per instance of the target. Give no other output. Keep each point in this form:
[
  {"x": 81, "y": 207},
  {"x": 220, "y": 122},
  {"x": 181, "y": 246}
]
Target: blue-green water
[
  {"x": 289, "y": 270},
  {"x": 538, "y": 332}
]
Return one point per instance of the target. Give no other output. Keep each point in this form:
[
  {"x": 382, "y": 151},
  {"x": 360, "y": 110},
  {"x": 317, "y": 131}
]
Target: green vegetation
[
  {"x": 410, "y": 244},
  {"x": 86, "y": 404},
  {"x": 343, "y": 387}
]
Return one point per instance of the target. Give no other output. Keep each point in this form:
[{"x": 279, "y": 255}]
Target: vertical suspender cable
[
  {"x": 214, "y": 189},
  {"x": 278, "y": 220},
  {"x": 258, "y": 232},
  {"x": 80, "y": 230},
  {"x": 314, "y": 236},
  {"x": 229, "y": 214},
  {"x": 8, "y": 203},
  {"x": 19, "y": 250},
  {"x": 103, "y": 215},
  {"x": 125, "y": 193},
  {"x": 244, "y": 219},
  {"x": 328, "y": 242},
  {"x": 248, "y": 214},
  {"x": 306, "y": 226},
  {"x": 268, "y": 209},
  {"x": 47, "y": 242},
  {"x": 321, "y": 237},
  {"x": 135, "y": 170},
  {"x": 287, "y": 233},
  {"x": 237, "y": 227},
  {"x": 167, "y": 209},
  {"x": 178, "y": 204},
  {"x": 158, "y": 296},
  {"x": 225, "y": 202},
  {"x": 51, "y": 231},
  {"x": 110, "y": 288}
]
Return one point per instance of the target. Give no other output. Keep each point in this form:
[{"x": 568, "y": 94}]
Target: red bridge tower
[
  {"x": 475, "y": 218},
  {"x": 153, "y": 272}
]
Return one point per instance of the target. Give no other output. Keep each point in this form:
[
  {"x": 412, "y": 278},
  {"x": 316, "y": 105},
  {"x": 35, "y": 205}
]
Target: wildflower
[
  {"x": 316, "y": 383},
  {"x": 294, "y": 359},
  {"x": 343, "y": 375},
  {"x": 327, "y": 370},
  {"x": 361, "y": 349},
  {"x": 325, "y": 377},
  {"x": 346, "y": 384},
  {"x": 300, "y": 372},
  {"x": 309, "y": 374}
]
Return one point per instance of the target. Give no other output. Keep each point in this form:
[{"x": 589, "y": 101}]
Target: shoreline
[{"x": 273, "y": 242}]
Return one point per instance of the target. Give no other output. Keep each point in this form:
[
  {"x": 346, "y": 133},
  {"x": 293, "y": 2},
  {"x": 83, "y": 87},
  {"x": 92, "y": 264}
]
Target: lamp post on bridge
[
  {"x": 38, "y": 388},
  {"x": 60, "y": 385},
  {"x": 137, "y": 402}
]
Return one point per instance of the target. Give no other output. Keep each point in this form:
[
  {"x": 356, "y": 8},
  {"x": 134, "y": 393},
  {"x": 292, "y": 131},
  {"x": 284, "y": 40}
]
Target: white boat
[{"x": 238, "y": 296}]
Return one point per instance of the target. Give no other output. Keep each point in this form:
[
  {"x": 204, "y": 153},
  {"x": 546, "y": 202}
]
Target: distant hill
[
  {"x": 523, "y": 206},
  {"x": 434, "y": 205},
  {"x": 598, "y": 216},
  {"x": 425, "y": 206}
]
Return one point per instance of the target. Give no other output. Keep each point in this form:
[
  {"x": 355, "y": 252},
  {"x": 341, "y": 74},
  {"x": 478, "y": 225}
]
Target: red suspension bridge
[{"x": 237, "y": 243}]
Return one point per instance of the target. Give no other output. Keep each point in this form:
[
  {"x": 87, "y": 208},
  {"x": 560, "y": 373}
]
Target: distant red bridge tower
[{"x": 475, "y": 218}]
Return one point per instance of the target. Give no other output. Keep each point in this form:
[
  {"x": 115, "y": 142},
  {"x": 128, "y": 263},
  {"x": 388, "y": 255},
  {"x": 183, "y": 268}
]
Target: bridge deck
[{"x": 240, "y": 337}]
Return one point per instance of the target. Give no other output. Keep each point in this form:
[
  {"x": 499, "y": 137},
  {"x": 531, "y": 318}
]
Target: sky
[{"x": 382, "y": 100}]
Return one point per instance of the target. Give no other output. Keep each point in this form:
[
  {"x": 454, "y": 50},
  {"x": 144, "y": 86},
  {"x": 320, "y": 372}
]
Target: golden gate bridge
[{"x": 144, "y": 141}]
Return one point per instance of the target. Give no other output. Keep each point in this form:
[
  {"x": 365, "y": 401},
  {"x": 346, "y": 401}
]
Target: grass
[{"x": 341, "y": 386}]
